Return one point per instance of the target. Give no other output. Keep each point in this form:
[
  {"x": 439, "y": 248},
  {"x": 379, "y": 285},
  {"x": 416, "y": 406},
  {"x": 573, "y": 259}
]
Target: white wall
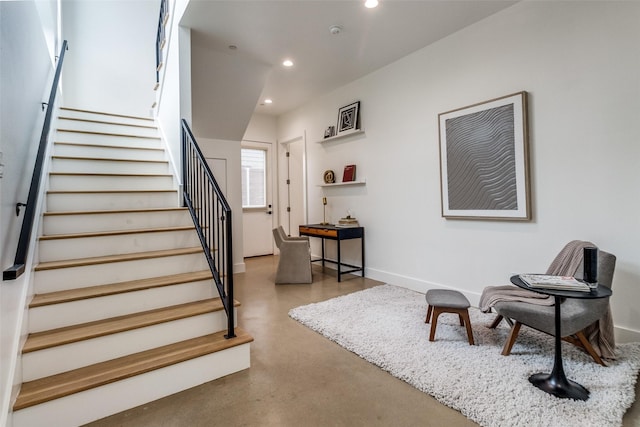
[
  {"x": 261, "y": 128},
  {"x": 26, "y": 74},
  {"x": 113, "y": 63},
  {"x": 230, "y": 151},
  {"x": 579, "y": 62}
]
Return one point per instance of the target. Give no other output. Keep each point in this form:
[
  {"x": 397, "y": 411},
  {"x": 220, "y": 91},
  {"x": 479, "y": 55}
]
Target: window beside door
[{"x": 254, "y": 178}]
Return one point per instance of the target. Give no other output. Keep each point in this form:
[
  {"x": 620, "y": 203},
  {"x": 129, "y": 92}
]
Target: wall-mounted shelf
[
  {"x": 342, "y": 184},
  {"x": 342, "y": 135}
]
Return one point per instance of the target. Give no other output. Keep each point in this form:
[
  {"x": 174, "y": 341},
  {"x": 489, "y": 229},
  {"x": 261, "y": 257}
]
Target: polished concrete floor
[{"x": 297, "y": 377}]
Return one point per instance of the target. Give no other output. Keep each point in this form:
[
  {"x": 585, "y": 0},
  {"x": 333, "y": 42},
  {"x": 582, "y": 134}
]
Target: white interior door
[{"x": 257, "y": 190}]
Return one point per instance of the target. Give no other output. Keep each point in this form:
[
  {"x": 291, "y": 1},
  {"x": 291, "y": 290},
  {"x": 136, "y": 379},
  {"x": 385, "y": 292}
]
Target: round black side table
[{"x": 556, "y": 382}]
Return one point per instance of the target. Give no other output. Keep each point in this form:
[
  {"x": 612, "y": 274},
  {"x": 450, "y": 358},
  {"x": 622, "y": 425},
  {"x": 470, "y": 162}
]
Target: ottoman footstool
[{"x": 447, "y": 301}]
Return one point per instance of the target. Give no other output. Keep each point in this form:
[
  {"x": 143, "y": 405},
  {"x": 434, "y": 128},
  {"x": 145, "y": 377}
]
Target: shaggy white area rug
[{"x": 385, "y": 325}]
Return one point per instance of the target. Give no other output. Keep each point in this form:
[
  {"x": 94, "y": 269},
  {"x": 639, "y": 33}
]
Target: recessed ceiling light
[
  {"x": 268, "y": 101},
  {"x": 287, "y": 63},
  {"x": 233, "y": 47},
  {"x": 371, "y": 3}
]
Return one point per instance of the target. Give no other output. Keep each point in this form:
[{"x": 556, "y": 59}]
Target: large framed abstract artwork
[{"x": 484, "y": 162}]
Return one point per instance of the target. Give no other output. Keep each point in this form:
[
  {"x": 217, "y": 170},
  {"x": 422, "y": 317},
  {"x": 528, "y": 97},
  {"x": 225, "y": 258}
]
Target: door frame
[{"x": 284, "y": 216}]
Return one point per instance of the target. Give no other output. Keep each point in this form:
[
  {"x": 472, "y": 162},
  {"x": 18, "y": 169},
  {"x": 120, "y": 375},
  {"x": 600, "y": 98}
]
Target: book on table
[
  {"x": 546, "y": 281},
  {"x": 347, "y": 222}
]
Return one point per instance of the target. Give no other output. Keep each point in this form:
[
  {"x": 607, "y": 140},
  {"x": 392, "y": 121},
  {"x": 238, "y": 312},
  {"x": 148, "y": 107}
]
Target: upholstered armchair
[
  {"x": 294, "y": 265},
  {"x": 585, "y": 322}
]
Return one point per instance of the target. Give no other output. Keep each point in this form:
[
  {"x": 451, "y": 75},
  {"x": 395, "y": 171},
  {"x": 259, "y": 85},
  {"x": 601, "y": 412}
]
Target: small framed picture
[
  {"x": 329, "y": 132},
  {"x": 348, "y": 118}
]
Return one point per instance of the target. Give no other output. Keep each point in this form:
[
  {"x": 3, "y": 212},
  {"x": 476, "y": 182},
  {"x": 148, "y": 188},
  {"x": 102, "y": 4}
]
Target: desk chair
[{"x": 294, "y": 265}]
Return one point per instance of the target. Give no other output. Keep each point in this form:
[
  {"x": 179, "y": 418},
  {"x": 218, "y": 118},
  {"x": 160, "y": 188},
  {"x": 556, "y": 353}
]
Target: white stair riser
[
  {"x": 92, "y": 309},
  {"x": 91, "y": 138},
  {"x": 81, "y": 223},
  {"x": 110, "y": 127},
  {"x": 79, "y": 165},
  {"x": 106, "y": 117},
  {"x": 109, "y": 182},
  {"x": 55, "y": 360},
  {"x": 81, "y": 408},
  {"x": 103, "y": 274},
  {"x": 103, "y": 152},
  {"x": 59, "y": 202},
  {"x": 95, "y": 246}
]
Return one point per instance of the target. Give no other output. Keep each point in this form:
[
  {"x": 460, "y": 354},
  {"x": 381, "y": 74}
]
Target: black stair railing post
[{"x": 229, "y": 278}]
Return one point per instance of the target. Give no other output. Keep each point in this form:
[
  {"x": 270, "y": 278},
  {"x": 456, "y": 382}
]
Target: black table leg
[
  {"x": 339, "y": 276},
  {"x": 322, "y": 254},
  {"x": 556, "y": 382},
  {"x": 362, "y": 251}
]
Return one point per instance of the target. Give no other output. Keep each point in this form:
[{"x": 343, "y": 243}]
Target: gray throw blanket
[{"x": 566, "y": 263}]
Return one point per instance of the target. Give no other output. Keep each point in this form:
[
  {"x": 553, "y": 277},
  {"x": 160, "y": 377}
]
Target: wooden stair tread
[
  {"x": 106, "y": 114},
  {"x": 70, "y": 334},
  {"x": 108, "y": 191},
  {"x": 90, "y": 132},
  {"x": 59, "y": 297},
  {"x": 106, "y": 212},
  {"x": 52, "y": 265},
  {"x": 131, "y": 175},
  {"x": 64, "y": 384},
  {"x": 107, "y": 159},
  {"x": 116, "y": 232},
  {"x": 104, "y": 122}
]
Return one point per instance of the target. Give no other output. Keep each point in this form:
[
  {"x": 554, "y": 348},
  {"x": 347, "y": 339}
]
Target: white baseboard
[
  {"x": 624, "y": 335},
  {"x": 239, "y": 267}
]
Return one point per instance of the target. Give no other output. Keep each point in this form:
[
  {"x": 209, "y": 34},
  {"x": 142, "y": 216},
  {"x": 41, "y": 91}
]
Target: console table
[
  {"x": 338, "y": 234},
  {"x": 556, "y": 382}
]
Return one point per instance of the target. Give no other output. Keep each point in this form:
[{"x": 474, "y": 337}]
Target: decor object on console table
[
  {"x": 324, "y": 212},
  {"x": 484, "y": 165},
  {"x": 348, "y": 118},
  {"x": 348, "y": 221}
]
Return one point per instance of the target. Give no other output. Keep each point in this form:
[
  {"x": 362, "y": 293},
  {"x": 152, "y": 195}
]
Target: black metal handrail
[
  {"x": 22, "y": 251},
  {"x": 211, "y": 215},
  {"x": 160, "y": 36}
]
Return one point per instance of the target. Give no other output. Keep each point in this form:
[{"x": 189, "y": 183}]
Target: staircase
[{"x": 125, "y": 310}]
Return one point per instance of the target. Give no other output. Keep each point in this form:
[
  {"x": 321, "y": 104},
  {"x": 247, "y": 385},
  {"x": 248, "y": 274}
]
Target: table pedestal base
[{"x": 560, "y": 386}]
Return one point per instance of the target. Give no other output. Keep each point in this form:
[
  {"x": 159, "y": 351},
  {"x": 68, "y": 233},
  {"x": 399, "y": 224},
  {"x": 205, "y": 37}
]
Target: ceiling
[{"x": 269, "y": 31}]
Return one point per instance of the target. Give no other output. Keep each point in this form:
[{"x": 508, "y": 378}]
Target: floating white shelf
[
  {"x": 341, "y": 184},
  {"x": 342, "y": 135}
]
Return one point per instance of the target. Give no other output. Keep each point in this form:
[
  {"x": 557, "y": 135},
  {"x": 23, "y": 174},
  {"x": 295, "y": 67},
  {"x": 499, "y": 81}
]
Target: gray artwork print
[{"x": 481, "y": 164}]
